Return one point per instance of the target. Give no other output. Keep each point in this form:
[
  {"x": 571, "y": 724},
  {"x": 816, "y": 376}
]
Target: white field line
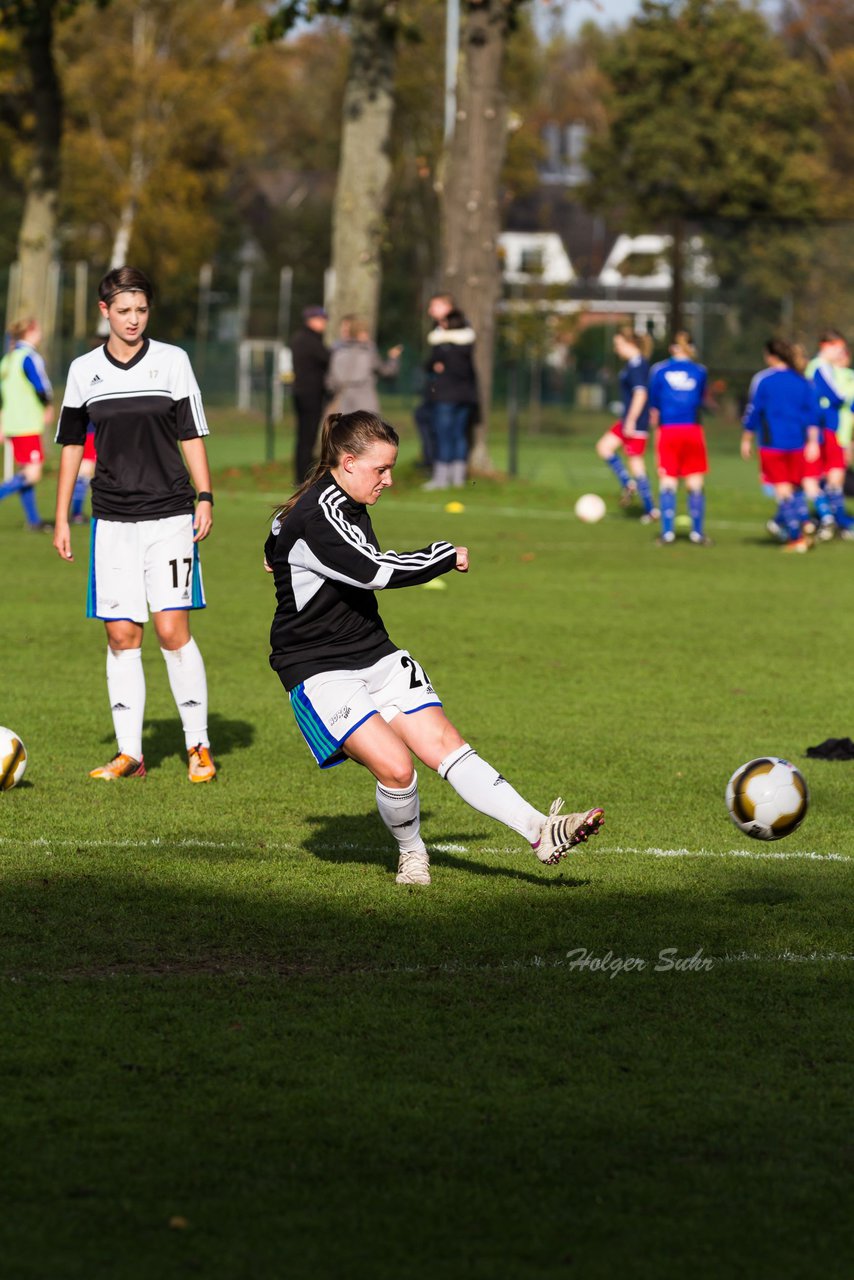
[
  {"x": 513, "y": 513},
  {"x": 607, "y": 970},
  {"x": 754, "y": 854},
  {"x": 598, "y": 847},
  {"x": 344, "y": 846}
]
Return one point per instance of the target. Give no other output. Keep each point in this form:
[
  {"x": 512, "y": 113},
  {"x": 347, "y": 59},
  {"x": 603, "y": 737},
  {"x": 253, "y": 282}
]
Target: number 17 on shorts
[{"x": 142, "y": 565}]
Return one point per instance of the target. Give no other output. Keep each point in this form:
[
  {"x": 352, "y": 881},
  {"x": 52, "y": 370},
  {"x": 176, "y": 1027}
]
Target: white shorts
[
  {"x": 139, "y": 565},
  {"x": 330, "y": 706}
]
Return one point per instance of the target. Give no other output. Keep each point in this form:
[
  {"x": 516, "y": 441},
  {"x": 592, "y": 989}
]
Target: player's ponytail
[
  {"x": 342, "y": 433},
  {"x": 789, "y": 353}
]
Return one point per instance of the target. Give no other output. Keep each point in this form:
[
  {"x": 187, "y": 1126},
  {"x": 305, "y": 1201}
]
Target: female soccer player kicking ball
[{"x": 354, "y": 694}]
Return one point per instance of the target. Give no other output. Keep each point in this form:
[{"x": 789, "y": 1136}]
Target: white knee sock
[
  {"x": 126, "y": 687},
  {"x": 485, "y": 790},
  {"x": 189, "y": 686},
  {"x": 400, "y": 810}
]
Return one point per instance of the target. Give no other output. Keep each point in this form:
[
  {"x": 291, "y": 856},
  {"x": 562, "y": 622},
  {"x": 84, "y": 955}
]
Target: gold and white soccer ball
[
  {"x": 13, "y": 759},
  {"x": 590, "y": 508},
  {"x": 767, "y": 798}
]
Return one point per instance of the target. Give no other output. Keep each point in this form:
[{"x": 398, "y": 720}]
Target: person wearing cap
[{"x": 311, "y": 362}]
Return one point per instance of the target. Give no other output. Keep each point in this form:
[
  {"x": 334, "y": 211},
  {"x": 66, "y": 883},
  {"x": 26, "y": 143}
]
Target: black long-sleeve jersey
[{"x": 327, "y": 564}]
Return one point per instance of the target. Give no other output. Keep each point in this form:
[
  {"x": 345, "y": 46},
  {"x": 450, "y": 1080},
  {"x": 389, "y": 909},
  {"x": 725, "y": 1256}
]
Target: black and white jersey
[
  {"x": 327, "y": 564},
  {"x": 140, "y": 411}
]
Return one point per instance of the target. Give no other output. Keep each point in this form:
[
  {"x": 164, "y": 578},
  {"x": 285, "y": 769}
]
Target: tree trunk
[
  {"x": 470, "y": 193},
  {"x": 364, "y": 168},
  {"x": 677, "y": 271},
  {"x": 37, "y": 232},
  {"x": 142, "y": 45}
]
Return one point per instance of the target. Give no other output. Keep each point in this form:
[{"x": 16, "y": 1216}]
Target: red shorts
[
  {"x": 832, "y": 454},
  {"x": 635, "y": 446},
  {"x": 682, "y": 451},
  {"x": 89, "y": 454},
  {"x": 783, "y": 466},
  {"x": 27, "y": 449}
]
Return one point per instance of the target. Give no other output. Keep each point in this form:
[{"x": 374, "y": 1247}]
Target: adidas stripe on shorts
[
  {"x": 139, "y": 565},
  {"x": 328, "y": 707}
]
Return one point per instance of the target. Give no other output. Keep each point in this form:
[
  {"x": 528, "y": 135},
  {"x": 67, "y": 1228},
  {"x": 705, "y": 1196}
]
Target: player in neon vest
[{"x": 26, "y": 397}]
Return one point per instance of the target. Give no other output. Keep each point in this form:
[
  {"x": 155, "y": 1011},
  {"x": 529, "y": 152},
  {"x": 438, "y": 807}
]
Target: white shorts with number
[
  {"x": 139, "y": 565},
  {"x": 330, "y": 706}
]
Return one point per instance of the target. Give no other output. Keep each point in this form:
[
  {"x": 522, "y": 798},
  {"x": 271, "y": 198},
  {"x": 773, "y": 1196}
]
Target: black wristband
[{"x": 205, "y": 497}]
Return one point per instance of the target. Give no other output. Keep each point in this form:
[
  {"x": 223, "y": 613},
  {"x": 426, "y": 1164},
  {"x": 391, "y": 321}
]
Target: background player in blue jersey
[
  {"x": 26, "y": 401},
  {"x": 676, "y": 390},
  {"x": 826, "y": 372},
  {"x": 782, "y": 417},
  {"x": 631, "y": 433}
]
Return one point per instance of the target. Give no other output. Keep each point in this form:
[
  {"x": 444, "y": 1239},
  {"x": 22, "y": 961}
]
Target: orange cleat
[
  {"x": 121, "y": 766},
  {"x": 201, "y": 767}
]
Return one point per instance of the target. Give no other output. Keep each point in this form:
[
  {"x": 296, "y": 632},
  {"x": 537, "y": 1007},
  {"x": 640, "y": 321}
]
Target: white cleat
[
  {"x": 562, "y": 832},
  {"x": 413, "y": 867}
]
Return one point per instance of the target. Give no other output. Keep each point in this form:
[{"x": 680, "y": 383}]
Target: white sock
[
  {"x": 189, "y": 686},
  {"x": 126, "y": 688},
  {"x": 400, "y": 810},
  {"x": 485, "y": 790}
]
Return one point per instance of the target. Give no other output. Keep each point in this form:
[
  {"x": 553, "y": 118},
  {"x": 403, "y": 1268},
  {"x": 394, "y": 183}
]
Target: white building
[{"x": 535, "y": 257}]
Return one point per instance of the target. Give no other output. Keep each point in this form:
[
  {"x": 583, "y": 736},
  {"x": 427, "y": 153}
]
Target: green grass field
[{"x": 233, "y": 1047}]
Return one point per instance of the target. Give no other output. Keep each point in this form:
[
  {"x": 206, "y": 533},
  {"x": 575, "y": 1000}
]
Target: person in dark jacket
[
  {"x": 454, "y": 395},
  {"x": 311, "y": 362}
]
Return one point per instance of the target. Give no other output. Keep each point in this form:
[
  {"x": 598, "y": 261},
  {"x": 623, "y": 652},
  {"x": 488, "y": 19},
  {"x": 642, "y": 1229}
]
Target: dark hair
[
  {"x": 455, "y": 320},
  {"x": 124, "y": 280},
  {"x": 830, "y": 335},
  {"x": 343, "y": 433},
  {"x": 787, "y": 352}
]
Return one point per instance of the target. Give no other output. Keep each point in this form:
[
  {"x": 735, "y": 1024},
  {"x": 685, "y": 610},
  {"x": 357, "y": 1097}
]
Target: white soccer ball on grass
[
  {"x": 13, "y": 759},
  {"x": 590, "y": 508}
]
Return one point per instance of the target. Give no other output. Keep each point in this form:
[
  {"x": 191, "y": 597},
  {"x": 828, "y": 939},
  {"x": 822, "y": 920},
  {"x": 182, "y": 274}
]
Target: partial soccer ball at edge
[
  {"x": 13, "y": 759},
  {"x": 767, "y": 798},
  {"x": 590, "y": 508}
]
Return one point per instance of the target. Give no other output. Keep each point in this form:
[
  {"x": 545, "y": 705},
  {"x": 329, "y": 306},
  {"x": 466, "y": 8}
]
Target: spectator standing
[
  {"x": 311, "y": 363},
  {"x": 354, "y": 366},
  {"x": 454, "y": 396}
]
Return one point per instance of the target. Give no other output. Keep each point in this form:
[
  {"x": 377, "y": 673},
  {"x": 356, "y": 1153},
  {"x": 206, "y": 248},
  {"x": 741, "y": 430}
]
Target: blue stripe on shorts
[
  {"x": 198, "y": 600},
  {"x": 91, "y": 592},
  {"x": 324, "y": 747},
  {"x": 320, "y": 741}
]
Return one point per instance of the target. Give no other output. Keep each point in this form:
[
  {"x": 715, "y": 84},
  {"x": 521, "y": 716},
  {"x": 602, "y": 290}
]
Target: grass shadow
[
  {"x": 163, "y": 738},
  {"x": 365, "y": 839}
]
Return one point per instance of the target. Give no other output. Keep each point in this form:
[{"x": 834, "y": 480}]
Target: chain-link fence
[{"x": 742, "y": 284}]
